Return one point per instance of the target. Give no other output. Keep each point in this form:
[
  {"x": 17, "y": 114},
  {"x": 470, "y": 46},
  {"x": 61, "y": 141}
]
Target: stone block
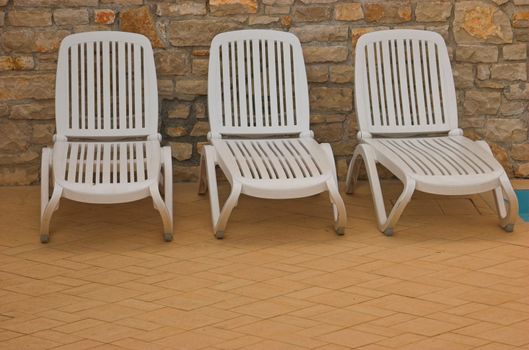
[
  {"x": 324, "y": 33},
  {"x": 509, "y": 71},
  {"x": 195, "y": 32},
  {"x": 312, "y": 14},
  {"x": 36, "y": 110},
  {"x": 331, "y": 99},
  {"x": 348, "y": 12},
  {"x": 104, "y": 16},
  {"x": 342, "y": 73},
  {"x": 317, "y": 73},
  {"x": 388, "y": 11},
  {"x": 181, "y": 151},
  {"x": 433, "y": 11},
  {"x": 29, "y": 18},
  {"x": 182, "y": 8},
  {"x": 172, "y": 62},
  {"x": 65, "y": 17},
  {"x": 481, "y": 22},
  {"x": 515, "y": 52},
  {"x": 482, "y": 102},
  {"x": 139, "y": 20},
  {"x": 477, "y": 54},
  {"x": 232, "y": 7},
  {"x": 35, "y": 86},
  {"x": 200, "y": 129},
  {"x": 318, "y": 54},
  {"x": 11, "y": 63}
]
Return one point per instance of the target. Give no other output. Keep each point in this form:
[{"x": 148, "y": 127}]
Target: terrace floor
[{"x": 448, "y": 279}]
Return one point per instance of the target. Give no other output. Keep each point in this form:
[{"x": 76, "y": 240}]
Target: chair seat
[
  {"x": 106, "y": 172},
  {"x": 274, "y": 165},
  {"x": 438, "y": 161}
]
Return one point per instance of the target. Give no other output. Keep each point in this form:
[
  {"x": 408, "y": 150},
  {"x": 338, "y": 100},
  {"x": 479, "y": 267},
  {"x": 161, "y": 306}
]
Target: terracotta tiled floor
[{"x": 449, "y": 279}]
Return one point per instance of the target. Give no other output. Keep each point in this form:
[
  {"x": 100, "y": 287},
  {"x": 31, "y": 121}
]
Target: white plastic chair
[
  {"x": 259, "y": 117},
  {"x": 107, "y": 147},
  {"x": 404, "y": 96}
]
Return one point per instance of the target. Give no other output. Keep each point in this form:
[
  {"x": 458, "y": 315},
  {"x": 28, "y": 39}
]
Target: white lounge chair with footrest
[
  {"x": 407, "y": 114},
  {"x": 107, "y": 147},
  {"x": 259, "y": 117}
]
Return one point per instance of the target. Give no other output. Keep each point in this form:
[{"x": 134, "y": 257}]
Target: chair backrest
[
  {"x": 106, "y": 86},
  {"x": 257, "y": 84},
  {"x": 404, "y": 83}
]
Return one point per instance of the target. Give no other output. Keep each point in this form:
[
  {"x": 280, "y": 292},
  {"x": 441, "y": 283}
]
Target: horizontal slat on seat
[
  {"x": 272, "y": 159},
  {"x": 106, "y": 163},
  {"x": 431, "y": 156}
]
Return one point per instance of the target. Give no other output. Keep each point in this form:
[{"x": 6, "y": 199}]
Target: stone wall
[{"x": 488, "y": 41}]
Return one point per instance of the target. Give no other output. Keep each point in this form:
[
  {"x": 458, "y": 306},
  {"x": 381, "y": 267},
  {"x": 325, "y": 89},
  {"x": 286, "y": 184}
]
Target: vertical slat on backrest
[
  {"x": 388, "y": 84},
  {"x": 234, "y": 95},
  {"x": 288, "y": 84},
  {"x": 434, "y": 79},
  {"x": 241, "y": 76},
  {"x": 90, "y": 81},
  {"x": 82, "y": 86},
  {"x": 99, "y": 103},
  {"x": 272, "y": 82},
  {"x": 403, "y": 83},
  {"x": 226, "y": 88},
  {"x": 121, "y": 93},
  {"x": 249, "y": 84},
  {"x": 373, "y": 86},
  {"x": 396, "y": 82},
  {"x": 280, "y": 92},
  {"x": 74, "y": 87},
  {"x": 426, "y": 80},
  {"x": 138, "y": 83},
  {"x": 418, "y": 80},
  {"x": 381, "y": 91},
  {"x": 256, "y": 53},
  {"x": 130, "y": 96},
  {"x": 106, "y": 86},
  {"x": 113, "y": 81},
  {"x": 264, "y": 69},
  {"x": 411, "y": 84}
]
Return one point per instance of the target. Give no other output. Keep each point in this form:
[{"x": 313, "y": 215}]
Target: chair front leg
[
  {"x": 352, "y": 173},
  {"x": 220, "y": 226},
  {"x": 339, "y": 212},
  {"x": 202, "y": 176},
  {"x": 507, "y": 213},
  {"x": 45, "y": 218},
  {"x": 45, "y": 168},
  {"x": 386, "y": 223},
  {"x": 168, "y": 189},
  {"x": 338, "y": 206}
]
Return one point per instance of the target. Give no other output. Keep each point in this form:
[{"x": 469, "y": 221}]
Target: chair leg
[
  {"x": 219, "y": 218},
  {"x": 386, "y": 223},
  {"x": 352, "y": 174},
  {"x": 47, "y": 212},
  {"x": 338, "y": 206},
  {"x": 340, "y": 215},
  {"x": 166, "y": 207},
  {"x": 165, "y": 213},
  {"x": 202, "y": 177},
  {"x": 225, "y": 213},
  {"x": 507, "y": 213},
  {"x": 45, "y": 168}
]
